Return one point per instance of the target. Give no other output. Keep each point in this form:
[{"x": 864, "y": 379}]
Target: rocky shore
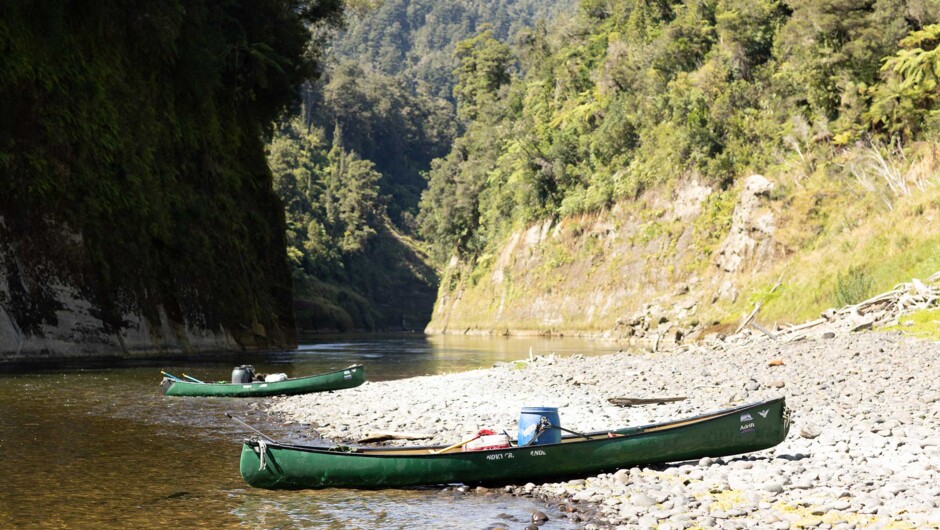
[{"x": 863, "y": 452}]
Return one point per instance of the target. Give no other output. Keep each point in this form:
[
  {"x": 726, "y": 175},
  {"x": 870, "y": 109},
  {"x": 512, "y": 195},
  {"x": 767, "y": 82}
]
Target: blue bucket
[{"x": 529, "y": 420}]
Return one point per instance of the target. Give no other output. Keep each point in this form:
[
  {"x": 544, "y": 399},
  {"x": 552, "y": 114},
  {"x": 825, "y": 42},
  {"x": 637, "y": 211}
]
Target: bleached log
[
  {"x": 890, "y": 295},
  {"x": 807, "y": 325},
  {"x": 760, "y": 328},
  {"x": 921, "y": 289}
]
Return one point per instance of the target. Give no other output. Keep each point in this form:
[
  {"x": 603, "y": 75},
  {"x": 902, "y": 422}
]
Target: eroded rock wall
[
  {"x": 49, "y": 309},
  {"x": 642, "y": 270}
]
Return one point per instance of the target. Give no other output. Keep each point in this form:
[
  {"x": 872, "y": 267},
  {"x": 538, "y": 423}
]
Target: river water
[{"x": 101, "y": 447}]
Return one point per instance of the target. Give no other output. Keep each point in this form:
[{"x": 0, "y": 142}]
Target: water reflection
[
  {"x": 398, "y": 509},
  {"x": 101, "y": 447},
  {"x": 397, "y": 357}
]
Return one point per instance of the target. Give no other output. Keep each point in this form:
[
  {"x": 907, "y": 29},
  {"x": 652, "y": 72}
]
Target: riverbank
[{"x": 862, "y": 451}]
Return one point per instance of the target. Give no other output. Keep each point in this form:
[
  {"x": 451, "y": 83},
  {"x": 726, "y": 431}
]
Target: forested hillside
[
  {"x": 136, "y": 205},
  {"x": 353, "y": 269},
  {"x": 414, "y": 40},
  {"x": 630, "y": 104},
  {"x": 351, "y": 163}
]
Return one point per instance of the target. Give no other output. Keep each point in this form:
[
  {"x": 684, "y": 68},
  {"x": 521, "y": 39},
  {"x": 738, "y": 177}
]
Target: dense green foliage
[
  {"x": 383, "y": 110},
  {"x": 352, "y": 268},
  {"x": 138, "y": 127},
  {"x": 414, "y": 40},
  {"x": 388, "y": 89},
  {"x": 632, "y": 94},
  {"x": 331, "y": 198},
  {"x": 397, "y": 130},
  {"x": 350, "y": 170}
]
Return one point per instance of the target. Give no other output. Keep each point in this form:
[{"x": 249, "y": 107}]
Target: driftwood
[
  {"x": 757, "y": 306},
  {"x": 381, "y": 436},
  {"x": 629, "y": 402},
  {"x": 879, "y": 310},
  {"x": 749, "y": 317},
  {"x": 807, "y": 325},
  {"x": 763, "y": 330}
]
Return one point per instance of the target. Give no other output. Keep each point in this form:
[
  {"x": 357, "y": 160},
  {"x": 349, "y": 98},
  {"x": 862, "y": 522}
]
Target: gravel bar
[{"x": 863, "y": 451}]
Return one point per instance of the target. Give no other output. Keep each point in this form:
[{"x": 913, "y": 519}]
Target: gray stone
[
  {"x": 810, "y": 431},
  {"x": 584, "y": 495},
  {"x": 642, "y": 500},
  {"x": 840, "y": 505},
  {"x": 773, "y": 487}
]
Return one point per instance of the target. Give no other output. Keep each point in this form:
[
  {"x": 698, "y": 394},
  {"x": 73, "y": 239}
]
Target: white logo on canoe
[
  {"x": 763, "y": 413},
  {"x": 746, "y": 417},
  {"x": 347, "y": 375}
]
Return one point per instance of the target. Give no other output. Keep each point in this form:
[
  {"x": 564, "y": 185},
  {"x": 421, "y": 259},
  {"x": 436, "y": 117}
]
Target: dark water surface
[{"x": 102, "y": 448}]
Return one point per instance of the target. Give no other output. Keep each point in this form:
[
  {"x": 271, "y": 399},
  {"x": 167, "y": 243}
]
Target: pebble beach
[{"x": 863, "y": 450}]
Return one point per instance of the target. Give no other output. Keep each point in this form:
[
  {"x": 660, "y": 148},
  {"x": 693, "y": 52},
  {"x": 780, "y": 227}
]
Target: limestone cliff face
[
  {"x": 648, "y": 270},
  {"x": 51, "y": 308}
]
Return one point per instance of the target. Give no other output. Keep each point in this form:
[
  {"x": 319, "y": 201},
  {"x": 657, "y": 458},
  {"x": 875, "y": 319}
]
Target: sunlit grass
[
  {"x": 924, "y": 324},
  {"x": 860, "y": 252}
]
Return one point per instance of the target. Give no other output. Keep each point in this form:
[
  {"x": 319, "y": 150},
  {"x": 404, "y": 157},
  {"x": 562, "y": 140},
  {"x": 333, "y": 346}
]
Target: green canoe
[
  {"x": 734, "y": 431},
  {"x": 346, "y": 378}
]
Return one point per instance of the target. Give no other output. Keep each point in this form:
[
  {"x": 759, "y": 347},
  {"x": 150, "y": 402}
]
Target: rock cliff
[
  {"x": 53, "y": 307},
  {"x": 693, "y": 260},
  {"x": 641, "y": 270}
]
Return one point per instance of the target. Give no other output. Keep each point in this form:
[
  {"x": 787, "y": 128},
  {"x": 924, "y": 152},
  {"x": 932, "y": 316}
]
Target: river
[{"x": 101, "y": 447}]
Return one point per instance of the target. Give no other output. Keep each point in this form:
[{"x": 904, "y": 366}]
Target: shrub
[{"x": 852, "y": 288}]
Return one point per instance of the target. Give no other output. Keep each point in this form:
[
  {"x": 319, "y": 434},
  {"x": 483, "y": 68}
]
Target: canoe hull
[
  {"x": 735, "y": 431},
  {"x": 338, "y": 380}
]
